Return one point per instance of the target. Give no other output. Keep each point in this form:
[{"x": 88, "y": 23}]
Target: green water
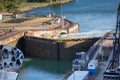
[{"x": 40, "y": 69}]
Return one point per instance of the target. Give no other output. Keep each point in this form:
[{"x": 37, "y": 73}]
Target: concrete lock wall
[
  {"x": 74, "y": 28},
  {"x": 53, "y": 32},
  {"x": 40, "y": 48},
  {"x": 68, "y": 49},
  {"x": 46, "y": 48},
  {"x": 13, "y": 36},
  {"x": 55, "y": 50}
]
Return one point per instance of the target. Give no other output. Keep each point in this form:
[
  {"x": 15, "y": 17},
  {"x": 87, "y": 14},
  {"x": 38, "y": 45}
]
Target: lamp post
[{"x": 62, "y": 17}]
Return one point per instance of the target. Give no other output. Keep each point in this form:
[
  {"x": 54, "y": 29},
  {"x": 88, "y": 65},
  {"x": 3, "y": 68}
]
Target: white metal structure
[
  {"x": 79, "y": 75},
  {"x": 4, "y": 75},
  {"x": 11, "y": 60}
]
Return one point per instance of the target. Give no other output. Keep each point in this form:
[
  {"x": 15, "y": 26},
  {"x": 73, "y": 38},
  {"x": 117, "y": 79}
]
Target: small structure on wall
[{"x": 0, "y": 17}]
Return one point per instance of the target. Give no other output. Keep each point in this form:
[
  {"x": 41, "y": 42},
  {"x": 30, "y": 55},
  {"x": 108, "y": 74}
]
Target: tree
[
  {"x": 11, "y": 5},
  {"x": 1, "y": 5},
  {"x": 48, "y": 1}
]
